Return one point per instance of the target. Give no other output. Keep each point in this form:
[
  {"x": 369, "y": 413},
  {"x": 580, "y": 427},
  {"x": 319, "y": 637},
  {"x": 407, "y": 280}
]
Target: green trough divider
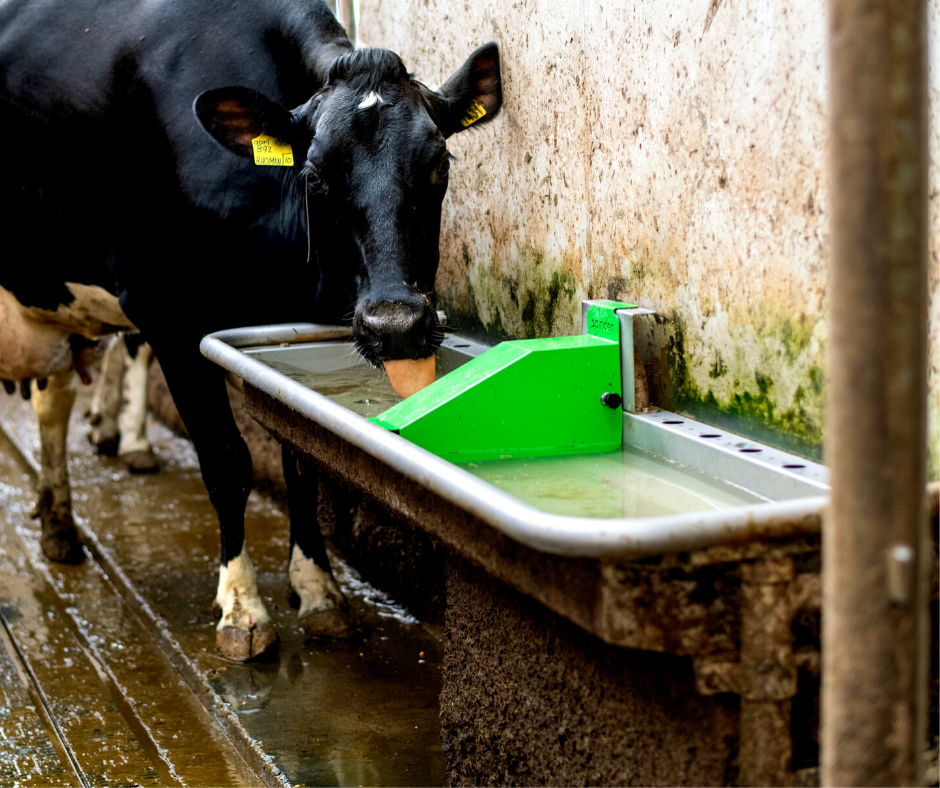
[{"x": 526, "y": 398}]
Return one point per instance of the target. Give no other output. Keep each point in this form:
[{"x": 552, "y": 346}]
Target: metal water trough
[
  {"x": 795, "y": 487},
  {"x": 637, "y": 583}
]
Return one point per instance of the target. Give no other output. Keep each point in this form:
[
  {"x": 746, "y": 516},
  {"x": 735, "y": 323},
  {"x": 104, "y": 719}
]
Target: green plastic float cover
[{"x": 526, "y": 398}]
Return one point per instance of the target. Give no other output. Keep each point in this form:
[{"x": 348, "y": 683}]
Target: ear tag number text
[
  {"x": 271, "y": 152},
  {"x": 474, "y": 113}
]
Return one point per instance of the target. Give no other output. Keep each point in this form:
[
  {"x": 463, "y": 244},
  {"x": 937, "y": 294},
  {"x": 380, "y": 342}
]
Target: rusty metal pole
[{"x": 874, "y": 655}]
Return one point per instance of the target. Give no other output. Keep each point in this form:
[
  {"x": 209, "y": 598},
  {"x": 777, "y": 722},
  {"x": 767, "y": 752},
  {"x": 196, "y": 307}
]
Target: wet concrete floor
[{"x": 109, "y": 673}]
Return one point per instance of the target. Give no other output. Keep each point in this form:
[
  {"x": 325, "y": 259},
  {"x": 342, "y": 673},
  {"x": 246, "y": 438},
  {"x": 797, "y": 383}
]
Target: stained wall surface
[{"x": 671, "y": 154}]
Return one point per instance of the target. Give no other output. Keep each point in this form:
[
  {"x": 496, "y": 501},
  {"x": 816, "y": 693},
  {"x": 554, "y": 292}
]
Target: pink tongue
[{"x": 408, "y": 376}]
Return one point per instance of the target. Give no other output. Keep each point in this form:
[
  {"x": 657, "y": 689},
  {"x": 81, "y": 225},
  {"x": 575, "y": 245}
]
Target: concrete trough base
[{"x": 528, "y": 699}]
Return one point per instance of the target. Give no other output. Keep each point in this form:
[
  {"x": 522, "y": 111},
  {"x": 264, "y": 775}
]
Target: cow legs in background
[
  {"x": 119, "y": 407},
  {"x": 135, "y": 450},
  {"x": 53, "y": 406},
  {"x": 106, "y": 401},
  {"x": 324, "y": 611}
]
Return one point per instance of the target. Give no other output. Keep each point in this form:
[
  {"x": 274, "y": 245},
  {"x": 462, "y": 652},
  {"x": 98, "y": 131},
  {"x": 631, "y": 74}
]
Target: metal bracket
[
  {"x": 627, "y": 348},
  {"x": 626, "y": 317}
]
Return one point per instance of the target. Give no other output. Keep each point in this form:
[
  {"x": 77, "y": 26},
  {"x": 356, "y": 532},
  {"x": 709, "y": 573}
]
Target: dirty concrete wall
[{"x": 671, "y": 154}]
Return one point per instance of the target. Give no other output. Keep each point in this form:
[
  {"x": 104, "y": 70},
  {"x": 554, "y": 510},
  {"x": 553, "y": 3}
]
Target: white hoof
[
  {"x": 317, "y": 589},
  {"x": 245, "y": 630}
]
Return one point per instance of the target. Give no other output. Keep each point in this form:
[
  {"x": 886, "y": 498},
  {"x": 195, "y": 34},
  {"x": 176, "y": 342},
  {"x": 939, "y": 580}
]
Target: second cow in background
[{"x": 118, "y": 413}]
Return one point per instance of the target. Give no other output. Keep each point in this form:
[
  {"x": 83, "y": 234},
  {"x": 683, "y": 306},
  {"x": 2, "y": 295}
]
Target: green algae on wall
[
  {"x": 750, "y": 408},
  {"x": 535, "y": 300}
]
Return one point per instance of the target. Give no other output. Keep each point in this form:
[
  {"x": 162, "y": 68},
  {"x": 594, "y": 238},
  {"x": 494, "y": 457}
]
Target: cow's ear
[
  {"x": 236, "y": 116},
  {"x": 473, "y": 95}
]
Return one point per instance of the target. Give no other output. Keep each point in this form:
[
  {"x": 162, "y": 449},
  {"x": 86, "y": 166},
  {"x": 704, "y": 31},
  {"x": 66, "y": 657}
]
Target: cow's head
[{"x": 372, "y": 164}]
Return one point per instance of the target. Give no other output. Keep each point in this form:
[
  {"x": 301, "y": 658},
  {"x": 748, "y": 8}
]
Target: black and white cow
[{"x": 316, "y": 195}]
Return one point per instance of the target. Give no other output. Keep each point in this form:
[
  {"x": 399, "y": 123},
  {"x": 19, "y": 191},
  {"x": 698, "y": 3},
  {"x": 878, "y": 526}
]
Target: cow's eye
[
  {"x": 315, "y": 182},
  {"x": 441, "y": 170}
]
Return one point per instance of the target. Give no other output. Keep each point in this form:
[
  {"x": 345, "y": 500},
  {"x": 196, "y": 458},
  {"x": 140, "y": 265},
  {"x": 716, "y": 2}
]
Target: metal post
[
  {"x": 874, "y": 656},
  {"x": 347, "y": 15}
]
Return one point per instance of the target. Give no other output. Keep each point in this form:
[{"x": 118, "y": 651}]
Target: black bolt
[{"x": 611, "y": 399}]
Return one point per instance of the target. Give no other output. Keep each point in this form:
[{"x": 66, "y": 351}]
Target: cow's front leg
[
  {"x": 53, "y": 406},
  {"x": 324, "y": 611},
  {"x": 245, "y": 630}
]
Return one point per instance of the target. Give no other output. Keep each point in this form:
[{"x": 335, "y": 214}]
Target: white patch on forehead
[{"x": 371, "y": 100}]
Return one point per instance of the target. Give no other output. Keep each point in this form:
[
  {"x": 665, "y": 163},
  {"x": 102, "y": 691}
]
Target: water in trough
[{"x": 623, "y": 483}]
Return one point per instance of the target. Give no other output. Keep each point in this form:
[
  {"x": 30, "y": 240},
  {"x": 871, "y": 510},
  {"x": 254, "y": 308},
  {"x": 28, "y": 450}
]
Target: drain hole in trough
[
  {"x": 794, "y": 466},
  {"x": 709, "y": 435},
  {"x": 673, "y": 422},
  {"x": 750, "y": 451}
]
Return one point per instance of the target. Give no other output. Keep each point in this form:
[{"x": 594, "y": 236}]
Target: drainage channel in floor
[{"x": 114, "y": 663}]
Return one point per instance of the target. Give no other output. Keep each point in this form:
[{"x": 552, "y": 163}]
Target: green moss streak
[
  {"x": 561, "y": 283},
  {"x": 718, "y": 368},
  {"x": 755, "y": 415},
  {"x": 795, "y": 336},
  {"x": 519, "y": 309}
]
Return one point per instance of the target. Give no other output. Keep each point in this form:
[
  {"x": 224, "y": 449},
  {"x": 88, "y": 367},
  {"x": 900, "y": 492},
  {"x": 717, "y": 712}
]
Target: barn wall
[{"x": 672, "y": 154}]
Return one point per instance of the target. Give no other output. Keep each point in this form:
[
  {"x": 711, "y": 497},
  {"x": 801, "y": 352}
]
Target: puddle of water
[
  {"x": 105, "y": 747},
  {"x": 622, "y": 483},
  {"x": 27, "y": 756},
  {"x": 344, "y": 713},
  {"x": 326, "y": 713}
]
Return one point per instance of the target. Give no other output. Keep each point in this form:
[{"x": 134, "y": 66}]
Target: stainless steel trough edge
[{"x": 557, "y": 534}]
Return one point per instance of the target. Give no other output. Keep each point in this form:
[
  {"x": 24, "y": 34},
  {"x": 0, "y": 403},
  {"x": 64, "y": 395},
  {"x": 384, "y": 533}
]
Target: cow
[{"x": 176, "y": 167}]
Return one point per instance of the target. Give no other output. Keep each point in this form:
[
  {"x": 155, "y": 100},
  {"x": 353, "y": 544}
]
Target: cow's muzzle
[{"x": 387, "y": 330}]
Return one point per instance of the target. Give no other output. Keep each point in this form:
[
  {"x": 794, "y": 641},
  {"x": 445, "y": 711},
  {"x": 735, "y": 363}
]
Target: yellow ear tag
[
  {"x": 474, "y": 113},
  {"x": 271, "y": 152}
]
